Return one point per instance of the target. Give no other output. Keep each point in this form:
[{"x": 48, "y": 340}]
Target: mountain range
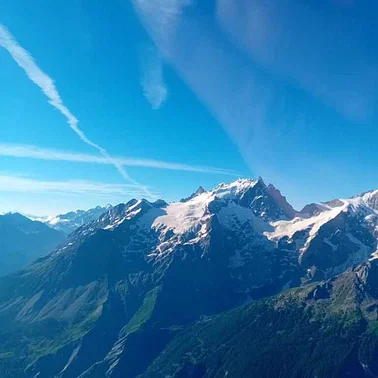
[
  {"x": 228, "y": 282},
  {"x": 23, "y": 240},
  {"x": 72, "y": 220}
]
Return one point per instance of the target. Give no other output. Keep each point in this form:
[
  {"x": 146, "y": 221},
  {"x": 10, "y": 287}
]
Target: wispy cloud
[
  {"x": 35, "y": 152},
  {"x": 208, "y": 63},
  {"x": 161, "y": 16},
  {"x": 12, "y": 183},
  {"x": 152, "y": 80},
  {"x": 26, "y": 61},
  {"x": 333, "y": 63}
]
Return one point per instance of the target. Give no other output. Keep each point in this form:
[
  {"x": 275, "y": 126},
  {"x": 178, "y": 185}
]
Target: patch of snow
[
  {"x": 181, "y": 217},
  {"x": 233, "y": 189},
  {"x": 363, "y": 252},
  {"x": 289, "y": 228},
  {"x": 129, "y": 215},
  {"x": 232, "y": 215}
]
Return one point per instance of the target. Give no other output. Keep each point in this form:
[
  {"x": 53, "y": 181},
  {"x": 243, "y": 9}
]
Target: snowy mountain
[
  {"x": 337, "y": 236},
  {"x": 69, "y": 222},
  {"x": 120, "y": 287},
  {"x": 369, "y": 198}
]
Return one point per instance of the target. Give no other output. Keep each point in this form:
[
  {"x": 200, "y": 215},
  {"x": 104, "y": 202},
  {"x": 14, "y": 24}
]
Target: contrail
[
  {"x": 25, "y": 60},
  {"x": 35, "y": 152},
  {"x": 14, "y": 183}
]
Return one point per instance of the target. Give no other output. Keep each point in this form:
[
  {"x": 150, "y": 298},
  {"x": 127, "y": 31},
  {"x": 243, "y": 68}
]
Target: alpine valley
[{"x": 231, "y": 282}]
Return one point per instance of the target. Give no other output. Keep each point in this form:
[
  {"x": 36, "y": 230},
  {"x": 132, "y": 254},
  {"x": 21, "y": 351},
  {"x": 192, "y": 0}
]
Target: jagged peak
[
  {"x": 125, "y": 212},
  {"x": 159, "y": 203},
  {"x": 368, "y": 193},
  {"x": 239, "y": 181},
  {"x": 236, "y": 187},
  {"x": 261, "y": 181},
  {"x": 281, "y": 201},
  {"x": 198, "y": 192}
]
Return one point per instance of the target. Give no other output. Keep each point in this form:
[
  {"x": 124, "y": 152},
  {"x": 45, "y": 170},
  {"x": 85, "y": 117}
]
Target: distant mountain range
[
  {"x": 23, "y": 240},
  {"x": 72, "y": 220},
  {"x": 231, "y": 282}
]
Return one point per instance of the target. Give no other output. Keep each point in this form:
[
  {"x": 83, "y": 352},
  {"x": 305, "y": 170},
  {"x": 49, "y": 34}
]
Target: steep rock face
[
  {"x": 281, "y": 201},
  {"x": 108, "y": 300},
  {"x": 266, "y": 202},
  {"x": 199, "y": 191},
  {"x": 23, "y": 240}
]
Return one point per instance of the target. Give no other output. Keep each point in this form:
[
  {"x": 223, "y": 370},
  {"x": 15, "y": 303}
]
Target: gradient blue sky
[{"x": 218, "y": 89}]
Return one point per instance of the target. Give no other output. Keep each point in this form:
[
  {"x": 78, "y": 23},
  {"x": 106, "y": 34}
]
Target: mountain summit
[
  {"x": 108, "y": 300},
  {"x": 199, "y": 191}
]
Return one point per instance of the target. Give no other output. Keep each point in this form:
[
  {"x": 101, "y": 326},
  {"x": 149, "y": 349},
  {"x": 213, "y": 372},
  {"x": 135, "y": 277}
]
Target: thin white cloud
[
  {"x": 162, "y": 16},
  {"x": 25, "y": 60},
  {"x": 152, "y": 80},
  {"x": 222, "y": 78},
  {"x": 35, "y": 152},
  {"x": 11, "y": 183}
]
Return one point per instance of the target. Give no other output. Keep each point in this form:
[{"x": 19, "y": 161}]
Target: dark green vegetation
[
  {"x": 327, "y": 329},
  {"x": 323, "y": 330}
]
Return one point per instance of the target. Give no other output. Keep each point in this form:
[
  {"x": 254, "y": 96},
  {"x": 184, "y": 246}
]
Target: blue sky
[{"x": 154, "y": 98}]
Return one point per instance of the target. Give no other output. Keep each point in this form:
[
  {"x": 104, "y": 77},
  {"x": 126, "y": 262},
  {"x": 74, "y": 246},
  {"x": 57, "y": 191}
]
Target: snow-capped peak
[
  {"x": 184, "y": 216},
  {"x": 72, "y": 220},
  {"x": 233, "y": 189},
  {"x": 192, "y": 214},
  {"x": 246, "y": 212},
  {"x": 304, "y": 222},
  {"x": 187, "y": 215},
  {"x": 199, "y": 191},
  {"x": 369, "y": 198}
]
